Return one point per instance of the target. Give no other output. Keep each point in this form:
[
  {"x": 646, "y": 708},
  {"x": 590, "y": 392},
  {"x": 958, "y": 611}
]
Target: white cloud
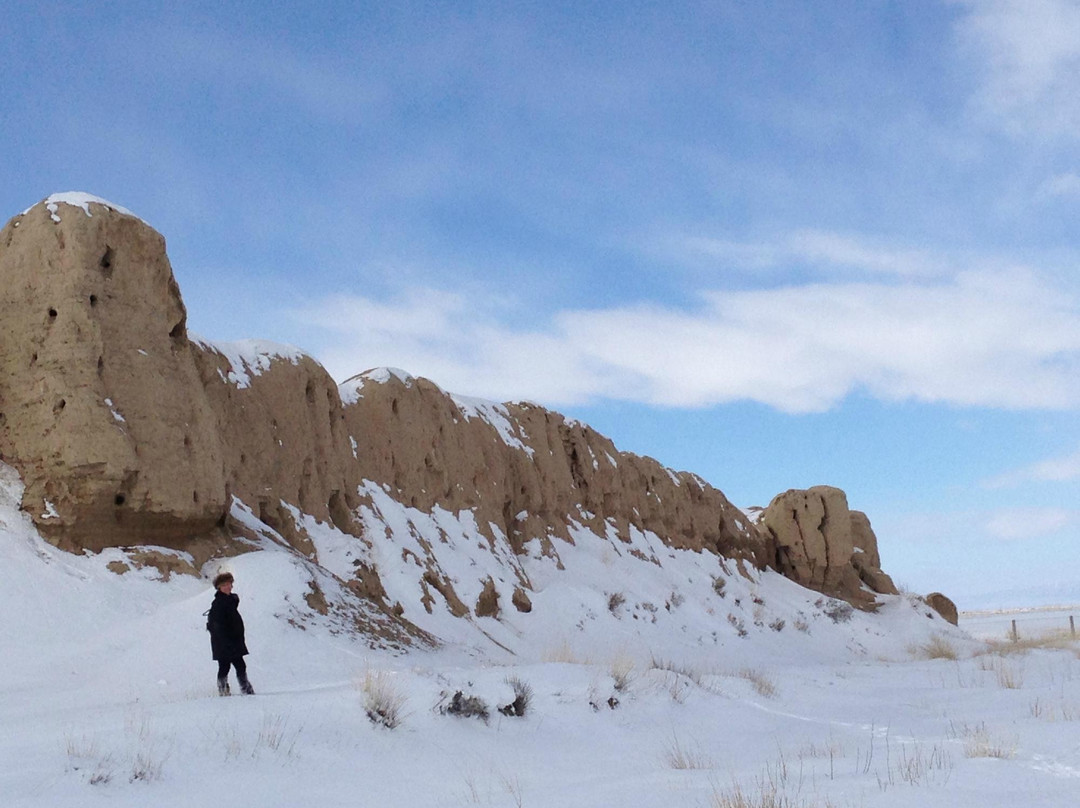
[
  {"x": 1055, "y": 469},
  {"x": 983, "y": 338},
  {"x": 1028, "y": 52},
  {"x": 834, "y": 253},
  {"x": 1013, "y": 524},
  {"x": 1067, "y": 184}
]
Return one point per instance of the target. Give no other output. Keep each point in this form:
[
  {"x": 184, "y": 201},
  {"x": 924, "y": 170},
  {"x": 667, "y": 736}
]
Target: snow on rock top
[
  {"x": 349, "y": 390},
  {"x": 495, "y": 415},
  {"x": 249, "y": 357},
  {"x": 77, "y": 199}
]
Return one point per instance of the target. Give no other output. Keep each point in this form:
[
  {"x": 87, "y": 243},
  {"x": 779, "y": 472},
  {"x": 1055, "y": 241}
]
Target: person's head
[{"x": 224, "y": 582}]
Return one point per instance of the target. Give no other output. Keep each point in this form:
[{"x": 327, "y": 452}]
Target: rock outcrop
[
  {"x": 528, "y": 470},
  {"x": 128, "y": 432},
  {"x": 101, "y": 408},
  {"x": 822, "y": 544},
  {"x": 943, "y": 606}
]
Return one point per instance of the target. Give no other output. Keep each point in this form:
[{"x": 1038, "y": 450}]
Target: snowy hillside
[{"x": 670, "y": 685}]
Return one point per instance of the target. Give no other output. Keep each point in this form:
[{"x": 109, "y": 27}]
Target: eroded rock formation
[
  {"x": 102, "y": 409},
  {"x": 127, "y": 432},
  {"x": 822, "y": 544},
  {"x": 943, "y": 606}
]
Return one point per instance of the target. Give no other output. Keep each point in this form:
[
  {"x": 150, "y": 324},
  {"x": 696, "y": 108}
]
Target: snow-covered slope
[{"x": 652, "y": 685}]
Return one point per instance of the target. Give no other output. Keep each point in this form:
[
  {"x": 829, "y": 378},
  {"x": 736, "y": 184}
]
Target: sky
[{"x": 778, "y": 244}]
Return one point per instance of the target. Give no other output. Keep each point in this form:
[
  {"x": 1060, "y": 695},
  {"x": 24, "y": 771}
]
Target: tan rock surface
[
  {"x": 822, "y": 544},
  {"x": 529, "y": 470},
  {"x": 943, "y": 606},
  {"x": 103, "y": 413}
]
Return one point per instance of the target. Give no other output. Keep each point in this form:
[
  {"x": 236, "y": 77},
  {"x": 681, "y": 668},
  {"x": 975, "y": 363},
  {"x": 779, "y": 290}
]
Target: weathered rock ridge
[{"x": 128, "y": 432}]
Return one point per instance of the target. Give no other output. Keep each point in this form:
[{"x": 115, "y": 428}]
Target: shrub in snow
[
  {"x": 979, "y": 743},
  {"x": 738, "y": 624},
  {"x": 615, "y": 600},
  {"x": 938, "y": 648},
  {"x": 465, "y": 706},
  {"x": 777, "y": 625},
  {"x": 718, "y": 585},
  {"x": 146, "y": 767},
  {"x": 523, "y": 693},
  {"x": 622, "y": 673},
  {"x": 838, "y": 611},
  {"x": 762, "y": 683},
  {"x": 383, "y": 703}
]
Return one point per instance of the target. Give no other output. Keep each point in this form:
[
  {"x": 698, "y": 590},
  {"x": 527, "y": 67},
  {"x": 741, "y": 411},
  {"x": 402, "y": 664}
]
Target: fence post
[
  {"x": 1072, "y": 626},
  {"x": 1015, "y": 633}
]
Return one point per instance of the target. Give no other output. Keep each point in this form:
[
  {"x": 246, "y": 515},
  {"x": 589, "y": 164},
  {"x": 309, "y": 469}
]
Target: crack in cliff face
[{"x": 823, "y": 529}]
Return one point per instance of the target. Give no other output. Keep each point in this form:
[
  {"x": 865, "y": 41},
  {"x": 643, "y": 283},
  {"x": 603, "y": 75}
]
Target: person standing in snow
[{"x": 226, "y": 628}]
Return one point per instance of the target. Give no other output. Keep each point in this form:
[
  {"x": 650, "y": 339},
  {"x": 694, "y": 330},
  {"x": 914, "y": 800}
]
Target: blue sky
[{"x": 778, "y": 244}]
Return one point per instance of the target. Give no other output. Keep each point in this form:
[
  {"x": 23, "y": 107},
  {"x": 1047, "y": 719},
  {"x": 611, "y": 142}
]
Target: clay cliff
[{"x": 127, "y": 431}]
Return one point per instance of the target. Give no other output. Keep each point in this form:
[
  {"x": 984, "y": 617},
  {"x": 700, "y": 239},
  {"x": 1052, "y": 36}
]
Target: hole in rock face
[
  {"x": 52, "y": 314},
  {"x": 93, "y": 300},
  {"x": 106, "y": 261},
  {"x": 393, "y": 406},
  {"x": 100, "y": 364},
  {"x": 120, "y": 499},
  {"x": 60, "y": 405},
  {"x": 309, "y": 393},
  {"x": 195, "y": 496},
  {"x": 33, "y": 358},
  {"x": 177, "y": 330}
]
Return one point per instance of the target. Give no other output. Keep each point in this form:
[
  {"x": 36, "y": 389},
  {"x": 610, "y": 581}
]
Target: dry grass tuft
[
  {"x": 383, "y": 702},
  {"x": 1062, "y": 712},
  {"x": 680, "y": 757},
  {"x": 622, "y": 672},
  {"x": 562, "y": 652},
  {"x": 979, "y": 743},
  {"x": 761, "y": 682},
  {"x": 939, "y": 647},
  {"x": 691, "y": 673},
  {"x": 1009, "y": 677}
]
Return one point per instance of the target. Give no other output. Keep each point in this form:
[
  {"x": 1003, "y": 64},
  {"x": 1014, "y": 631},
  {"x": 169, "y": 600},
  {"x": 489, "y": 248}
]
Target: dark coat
[{"x": 226, "y": 627}]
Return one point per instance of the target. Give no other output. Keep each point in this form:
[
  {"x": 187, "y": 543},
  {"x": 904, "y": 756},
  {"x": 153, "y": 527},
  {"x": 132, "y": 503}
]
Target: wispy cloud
[
  {"x": 982, "y": 338},
  {"x": 830, "y": 252},
  {"x": 1028, "y": 54},
  {"x": 1067, "y": 184},
  {"x": 1018, "y": 524},
  {"x": 1064, "y": 468}
]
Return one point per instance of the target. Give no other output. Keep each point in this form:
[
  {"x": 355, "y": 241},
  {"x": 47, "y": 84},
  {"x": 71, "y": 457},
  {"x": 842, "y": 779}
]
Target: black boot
[
  {"x": 223, "y": 687},
  {"x": 246, "y": 688}
]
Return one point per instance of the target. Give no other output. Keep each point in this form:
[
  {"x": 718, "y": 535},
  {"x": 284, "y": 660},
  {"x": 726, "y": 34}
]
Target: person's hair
[{"x": 222, "y": 578}]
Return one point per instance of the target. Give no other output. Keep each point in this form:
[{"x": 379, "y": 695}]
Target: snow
[
  {"x": 350, "y": 389},
  {"x": 249, "y": 357},
  {"x": 112, "y": 408},
  {"x": 107, "y": 691},
  {"x": 497, "y": 416},
  {"x": 77, "y": 199}
]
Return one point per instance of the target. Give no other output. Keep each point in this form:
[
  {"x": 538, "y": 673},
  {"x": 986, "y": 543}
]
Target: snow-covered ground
[{"x": 651, "y": 686}]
